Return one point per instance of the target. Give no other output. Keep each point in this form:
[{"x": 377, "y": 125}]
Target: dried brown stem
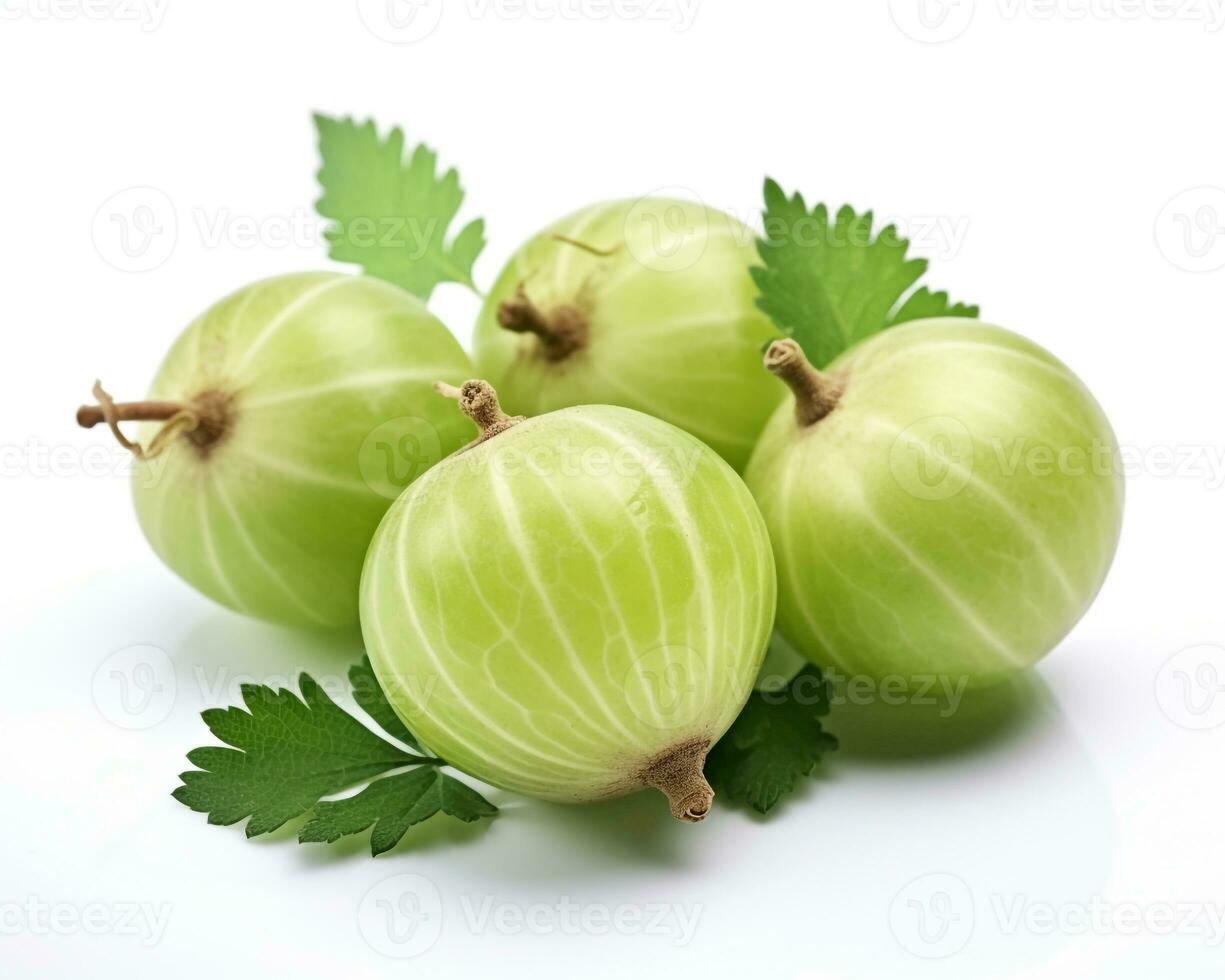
[
  {"x": 677, "y": 774},
  {"x": 816, "y": 394},
  {"x": 148, "y": 411},
  {"x": 561, "y": 332},
  {"x": 204, "y": 421},
  {"x": 479, "y": 402},
  {"x": 178, "y": 418}
]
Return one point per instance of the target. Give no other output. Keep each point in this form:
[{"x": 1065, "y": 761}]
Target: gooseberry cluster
[{"x": 565, "y": 586}]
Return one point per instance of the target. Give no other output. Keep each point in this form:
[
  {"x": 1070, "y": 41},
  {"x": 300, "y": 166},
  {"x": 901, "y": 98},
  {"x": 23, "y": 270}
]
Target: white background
[{"x": 1061, "y": 164}]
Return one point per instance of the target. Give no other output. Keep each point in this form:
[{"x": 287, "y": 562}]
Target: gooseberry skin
[
  {"x": 675, "y": 284},
  {"x": 558, "y": 607},
  {"x": 920, "y": 528},
  {"x": 273, "y": 520}
]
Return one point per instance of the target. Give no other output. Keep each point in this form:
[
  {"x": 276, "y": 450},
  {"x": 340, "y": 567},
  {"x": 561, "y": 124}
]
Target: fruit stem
[
  {"x": 149, "y": 411},
  {"x": 479, "y": 402},
  {"x": 603, "y": 253},
  {"x": 816, "y": 394},
  {"x": 561, "y": 333},
  {"x": 677, "y": 773},
  {"x": 178, "y": 418}
]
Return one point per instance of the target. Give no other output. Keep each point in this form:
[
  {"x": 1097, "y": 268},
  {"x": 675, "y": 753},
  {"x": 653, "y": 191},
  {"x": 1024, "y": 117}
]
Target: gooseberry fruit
[
  {"x": 279, "y": 428},
  {"x": 943, "y": 500},
  {"x": 574, "y": 607},
  {"x": 569, "y": 318}
]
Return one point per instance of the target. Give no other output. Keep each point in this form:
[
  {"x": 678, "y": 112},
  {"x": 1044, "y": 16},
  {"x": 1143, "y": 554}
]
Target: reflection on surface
[{"x": 974, "y": 721}]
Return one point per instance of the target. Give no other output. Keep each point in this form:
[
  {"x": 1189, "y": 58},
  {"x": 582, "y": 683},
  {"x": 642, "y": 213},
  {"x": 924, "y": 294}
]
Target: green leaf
[
  {"x": 923, "y": 304},
  {"x": 394, "y": 804},
  {"x": 371, "y": 699},
  {"x": 287, "y": 753},
  {"x": 777, "y": 740},
  {"x": 831, "y": 283},
  {"x": 390, "y": 215}
]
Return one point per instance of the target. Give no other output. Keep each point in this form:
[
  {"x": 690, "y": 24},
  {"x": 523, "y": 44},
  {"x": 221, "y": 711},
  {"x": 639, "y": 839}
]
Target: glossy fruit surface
[
  {"x": 954, "y": 514},
  {"x": 575, "y": 608},
  {"x": 315, "y": 392},
  {"x": 646, "y": 304}
]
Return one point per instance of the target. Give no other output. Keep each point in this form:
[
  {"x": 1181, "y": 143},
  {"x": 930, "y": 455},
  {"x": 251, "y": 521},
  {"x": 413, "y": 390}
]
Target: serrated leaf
[
  {"x": 923, "y": 304},
  {"x": 390, "y": 215},
  {"x": 392, "y": 805},
  {"x": 775, "y": 742},
  {"x": 370, "y": 698},
  {"x": 830, "y": 283},
  {"x": 287, "y": 753}
]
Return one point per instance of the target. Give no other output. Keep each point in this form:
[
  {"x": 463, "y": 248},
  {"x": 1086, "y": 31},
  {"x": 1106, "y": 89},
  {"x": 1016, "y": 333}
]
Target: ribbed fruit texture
[
  {"x": 575, "y": 608},
  {"x": 657, "y": 311},
  {"x": 322, "y": 383},
  {"x": 954, "y": 515}
]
